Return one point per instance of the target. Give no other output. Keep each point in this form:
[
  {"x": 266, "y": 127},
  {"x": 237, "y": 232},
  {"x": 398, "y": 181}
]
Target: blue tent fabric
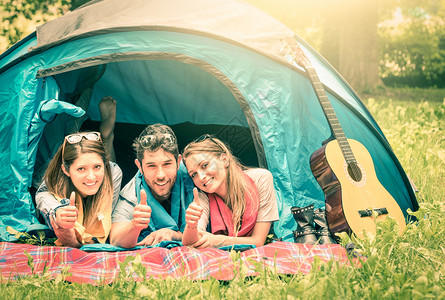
[
  {"x": 163, "y": 244},
  {"x": 197, "y": 70},
  {"x": 18, "y": 50}
]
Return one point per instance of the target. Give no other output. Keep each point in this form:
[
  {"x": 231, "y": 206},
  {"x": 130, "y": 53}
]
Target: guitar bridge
[{"x": 369, "y": 212}]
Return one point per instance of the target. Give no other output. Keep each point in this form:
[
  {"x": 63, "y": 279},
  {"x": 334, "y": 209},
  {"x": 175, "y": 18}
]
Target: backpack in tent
[{"x": 198, "y": 66}]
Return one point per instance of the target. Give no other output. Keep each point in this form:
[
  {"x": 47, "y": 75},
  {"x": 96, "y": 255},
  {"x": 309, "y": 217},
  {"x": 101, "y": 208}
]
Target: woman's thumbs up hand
[
  {"x": 66, "y": 216},
  {"x": 194, "y": 211}
]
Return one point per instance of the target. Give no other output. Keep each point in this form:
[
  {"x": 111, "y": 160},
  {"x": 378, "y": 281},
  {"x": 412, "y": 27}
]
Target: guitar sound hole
[{"x": 355, "y": 172}]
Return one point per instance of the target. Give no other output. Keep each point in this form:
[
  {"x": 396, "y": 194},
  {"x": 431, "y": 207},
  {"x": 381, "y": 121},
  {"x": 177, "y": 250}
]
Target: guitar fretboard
[{"x": 331, "y": 117}]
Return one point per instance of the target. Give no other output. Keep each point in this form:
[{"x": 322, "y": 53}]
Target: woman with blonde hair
[
  {"x": 81, "y": 187},
  {"x": 238, "y": 203}
]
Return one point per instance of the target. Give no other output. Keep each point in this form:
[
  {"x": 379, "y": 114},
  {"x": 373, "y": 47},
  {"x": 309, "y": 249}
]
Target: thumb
[
  {"x": 73, "y": 199},
  {"x": 195, "y": 196},
  {"x": 143, "y": 197}
]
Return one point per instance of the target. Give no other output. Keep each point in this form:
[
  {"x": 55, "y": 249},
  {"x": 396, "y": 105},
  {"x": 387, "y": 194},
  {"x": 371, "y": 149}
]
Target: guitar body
[{"x": 345, "y": 197}]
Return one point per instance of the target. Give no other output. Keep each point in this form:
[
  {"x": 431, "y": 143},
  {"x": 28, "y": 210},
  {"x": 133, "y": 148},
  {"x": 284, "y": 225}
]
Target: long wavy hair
[
  {"x": 61, "y": 185},
  {"x": 236, "y": 183}
]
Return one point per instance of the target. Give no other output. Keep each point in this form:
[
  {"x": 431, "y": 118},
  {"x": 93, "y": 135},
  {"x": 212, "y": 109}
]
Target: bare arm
[
  {"x": 63, "y": 223},
  {"x": 190, "y": 235},
  {"x": 192, "y": 216},
  {"x": 163, "y": 234},
  {"x": 257, "y": 238},
  {"x": 66, "y": 237},
  {"x": 267, "y": 213},
  {"x": 125, "y": 233}
]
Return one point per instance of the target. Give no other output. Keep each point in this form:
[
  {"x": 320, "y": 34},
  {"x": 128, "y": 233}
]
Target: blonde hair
[
  {"x": 61, "y": 185},
  {"x": 236, "y": 183}
]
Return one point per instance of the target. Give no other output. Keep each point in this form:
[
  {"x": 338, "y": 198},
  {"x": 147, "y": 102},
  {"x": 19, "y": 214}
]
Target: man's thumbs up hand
[
  {"x": 194, "y": 211},
  {"x": 66, "y": 216},
  {"x": 142, "y": 213}
]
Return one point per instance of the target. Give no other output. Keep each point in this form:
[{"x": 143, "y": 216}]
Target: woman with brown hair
[
  {"x": 81, "y": 187},
  {"x": 239, "y": 203}
]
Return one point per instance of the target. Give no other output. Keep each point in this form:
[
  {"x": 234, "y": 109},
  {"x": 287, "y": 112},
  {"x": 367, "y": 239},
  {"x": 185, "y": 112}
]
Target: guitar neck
[{"x": 334, "y": 124}]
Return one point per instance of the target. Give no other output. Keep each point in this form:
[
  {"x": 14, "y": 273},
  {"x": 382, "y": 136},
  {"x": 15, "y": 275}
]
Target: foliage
[
  {"x": 20, "y": 17},
  {"x": 412, "y": 47},
  {"x": 412, "y": 52},
  {"x": 39, "y": 239},
  {"x": 418, "y": 141},
  {"x": 411, "y": 35},
  {"x": 407, "y": 93},
  {"x": 397, "y": 267}
]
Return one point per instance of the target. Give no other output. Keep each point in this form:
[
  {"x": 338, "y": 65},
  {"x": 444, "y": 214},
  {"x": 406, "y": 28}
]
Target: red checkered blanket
[{"x": 105, "y": 267}]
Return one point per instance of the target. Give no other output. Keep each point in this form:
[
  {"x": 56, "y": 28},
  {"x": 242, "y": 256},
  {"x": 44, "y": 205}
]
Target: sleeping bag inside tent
[{"x": 199, "y": 67}]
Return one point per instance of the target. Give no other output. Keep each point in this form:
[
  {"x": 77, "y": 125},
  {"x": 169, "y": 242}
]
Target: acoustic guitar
[{"x": 355, "y": 199}]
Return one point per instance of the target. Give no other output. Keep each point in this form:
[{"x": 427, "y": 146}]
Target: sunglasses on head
[
  {"x": 207, "y": 137},
  {"x": 204, "y": 137},
  {"x": 77, "y": 138},
  {"x": 148, "y": 140}
]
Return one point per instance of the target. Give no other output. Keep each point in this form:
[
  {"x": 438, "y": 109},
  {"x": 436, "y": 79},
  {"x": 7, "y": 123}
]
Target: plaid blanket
[{"x": 105, "y": 267}]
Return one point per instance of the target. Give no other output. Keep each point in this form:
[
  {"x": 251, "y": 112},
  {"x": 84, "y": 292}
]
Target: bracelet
[{"x": 191, "y": 227}]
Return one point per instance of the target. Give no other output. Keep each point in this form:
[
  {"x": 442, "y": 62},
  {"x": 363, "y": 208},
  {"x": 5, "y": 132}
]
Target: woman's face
[
  {"x": 87, "y": 173},
  {"x": 209, "y": 173}
]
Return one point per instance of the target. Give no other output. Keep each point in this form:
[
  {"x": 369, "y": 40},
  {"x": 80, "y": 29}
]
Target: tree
[
  {"x": 350, "y": 41},
  {"x": 20, "y": 17},
  {"x": 360, "y": 38},
  {"x": 344, "y": 31},
  {"x": 399, "y": 41},
  {"x": 414, "y": 50}
]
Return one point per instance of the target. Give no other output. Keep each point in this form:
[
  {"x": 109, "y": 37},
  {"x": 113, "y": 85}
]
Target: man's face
[{"x": 160, "y": 170}]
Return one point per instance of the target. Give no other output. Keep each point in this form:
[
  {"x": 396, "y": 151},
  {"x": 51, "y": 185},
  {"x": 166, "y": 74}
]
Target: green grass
[
  {"x": 397, "y": 267},
  {"x": 406, "y": 94}
]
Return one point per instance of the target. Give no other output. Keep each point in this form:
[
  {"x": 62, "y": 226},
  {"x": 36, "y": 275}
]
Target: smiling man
[{"x": 151, "y": 207}]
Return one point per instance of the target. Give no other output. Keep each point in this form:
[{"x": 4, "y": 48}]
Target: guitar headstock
[{"x": 293, "y": 52}]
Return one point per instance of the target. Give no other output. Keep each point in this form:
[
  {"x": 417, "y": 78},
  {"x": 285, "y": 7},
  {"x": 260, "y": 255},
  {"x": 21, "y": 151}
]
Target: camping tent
[{"x": 199, "y": 66}]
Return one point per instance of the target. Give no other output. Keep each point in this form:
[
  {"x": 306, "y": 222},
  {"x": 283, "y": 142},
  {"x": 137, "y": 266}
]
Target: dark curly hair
[{"x": 154, "y": 137}]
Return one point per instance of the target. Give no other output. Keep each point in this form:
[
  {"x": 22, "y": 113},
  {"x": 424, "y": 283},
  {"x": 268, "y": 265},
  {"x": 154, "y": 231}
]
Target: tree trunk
[{"x": 350, "y": 42}]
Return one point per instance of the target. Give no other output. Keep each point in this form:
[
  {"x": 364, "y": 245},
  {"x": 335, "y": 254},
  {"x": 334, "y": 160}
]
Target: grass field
[{"x": 397, "y": 267}]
